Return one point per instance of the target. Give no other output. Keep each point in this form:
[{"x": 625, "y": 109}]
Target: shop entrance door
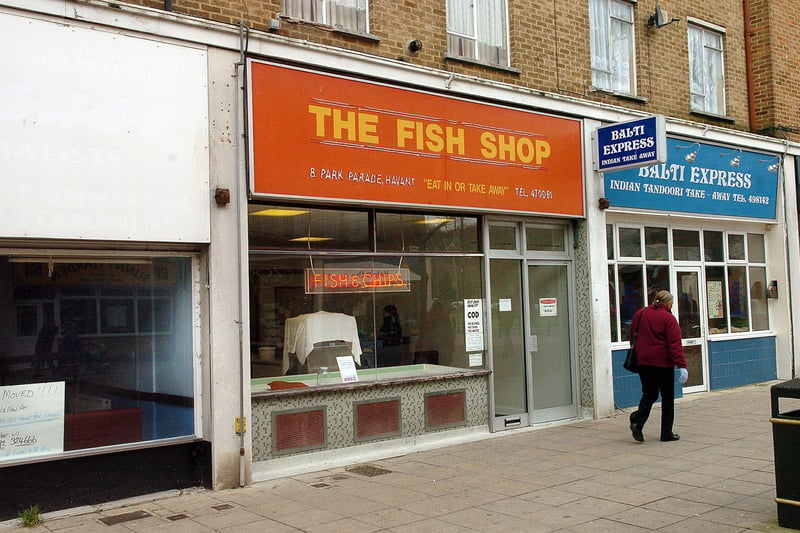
[
  {"x": 510, "y": 364},
  {"x": 531, "y": 333},
  {"x": 691, "y": 317},
  {"x": 550, "y": 341}
]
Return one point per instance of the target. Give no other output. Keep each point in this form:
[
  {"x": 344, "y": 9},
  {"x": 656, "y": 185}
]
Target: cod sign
[
  {"x": 635, "y": 143},
  {"x": 327, "y": 280}
]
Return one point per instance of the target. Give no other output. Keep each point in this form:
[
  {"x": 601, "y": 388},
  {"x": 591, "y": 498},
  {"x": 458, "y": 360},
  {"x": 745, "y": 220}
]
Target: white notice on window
[
  {"x": 473, "y": 324},
  {"x": 716, "y": 305},
  {"x": 347, "y": 369},
  {"x": 548, "y": 307},
  {"x": 504, "y": 304},
  {"x": 475, "y": 359},
  {"x": 31, "y": 420}
]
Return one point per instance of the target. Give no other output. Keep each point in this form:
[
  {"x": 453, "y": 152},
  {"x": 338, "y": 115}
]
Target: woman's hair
[
  {"x": 392, "y": 310},
  {"x": 662, "y": 297}
]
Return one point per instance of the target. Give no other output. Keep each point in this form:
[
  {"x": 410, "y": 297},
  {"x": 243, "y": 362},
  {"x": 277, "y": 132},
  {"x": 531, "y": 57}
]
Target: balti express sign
[
  {"x": 699, "y": 178},
  {"x": 321, "y": 136},
  {"x": 630, "y": 144}
]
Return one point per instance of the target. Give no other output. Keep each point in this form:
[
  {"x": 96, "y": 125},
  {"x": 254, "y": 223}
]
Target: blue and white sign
[
  {"x": 630, "y": 144},
  {"x": 702, "y": 179}
]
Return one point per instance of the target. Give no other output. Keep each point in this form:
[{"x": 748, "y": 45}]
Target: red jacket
[{"x": 658, "y": 337}]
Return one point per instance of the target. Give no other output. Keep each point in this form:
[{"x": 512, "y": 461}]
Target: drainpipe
[
  {"x": 748, "y": 59},
  {"x": 239, "y": 250}
]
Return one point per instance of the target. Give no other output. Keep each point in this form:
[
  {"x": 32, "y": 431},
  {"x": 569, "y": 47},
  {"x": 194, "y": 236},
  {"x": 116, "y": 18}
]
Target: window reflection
[
  {"x": 400, "y": 302},
  {"x": 545, "y": 239},
  {"x": 612, "y": 303},
  {"x": 503, "y": 237},
  {"x": 758, "y": 298},
  {"x": 686, "y": 245},
  {"x": 755, "y": 248},
  {"x": 631, "y": 295},
  {"x": 280, "y": 227},
  {"x": 426, "y": 233},
  {"x": 735, "y": 293},
  {"x": 712, "y": 246},
  {"x": 657, "y": 280},
  {"x": 630, "y": 242},
  {"x": 103, "y": 328},
  {"x": 427, "y": 317},
  {"x": 655, "y": 240},
  {"x": 736, "y": 247}
]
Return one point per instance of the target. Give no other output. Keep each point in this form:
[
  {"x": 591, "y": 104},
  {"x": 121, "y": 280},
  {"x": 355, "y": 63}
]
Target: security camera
[{"x": 415, "y": 46}]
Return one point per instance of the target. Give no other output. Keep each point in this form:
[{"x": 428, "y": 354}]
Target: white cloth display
[{"x": 302, "y": 331}]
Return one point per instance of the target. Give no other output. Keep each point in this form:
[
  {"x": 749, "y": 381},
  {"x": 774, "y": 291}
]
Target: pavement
[{"x": 584, "y": 476}]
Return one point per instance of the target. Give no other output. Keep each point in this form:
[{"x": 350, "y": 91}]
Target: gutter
[{"x": 748, "y": 60}]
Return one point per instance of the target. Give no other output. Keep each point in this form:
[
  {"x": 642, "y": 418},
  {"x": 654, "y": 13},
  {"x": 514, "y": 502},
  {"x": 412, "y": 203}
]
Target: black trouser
[{"x": 656, "y": 380}]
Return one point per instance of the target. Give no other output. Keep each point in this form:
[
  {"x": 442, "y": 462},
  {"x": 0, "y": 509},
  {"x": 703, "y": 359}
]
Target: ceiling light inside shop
[
  {"x": 310, "y": 239},
  {"x": 279, "y": 212},
  {"x": 435, "y": 221}
]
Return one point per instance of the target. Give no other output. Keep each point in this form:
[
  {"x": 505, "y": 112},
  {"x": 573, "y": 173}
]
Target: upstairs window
[
  {"x": 348, "y": 15},
  {"x": 478, "y": 30},
  {"x": 706, "y": 70},
  {"x": 612, "y": 46}
]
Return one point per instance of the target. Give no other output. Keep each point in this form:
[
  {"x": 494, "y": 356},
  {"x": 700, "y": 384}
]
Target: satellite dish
[{"x": 657, "y": 19}]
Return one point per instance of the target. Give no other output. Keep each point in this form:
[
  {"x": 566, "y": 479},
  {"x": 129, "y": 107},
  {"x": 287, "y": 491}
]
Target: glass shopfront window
[
  {"x": 734, "y": 266},
  {"x": 399, "y": 304},
  {"x": 98, "y": 353}
]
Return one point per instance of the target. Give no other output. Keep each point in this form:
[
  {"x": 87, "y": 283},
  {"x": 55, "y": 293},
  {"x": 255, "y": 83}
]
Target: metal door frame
[
  {"x": 524, "y": 259},
  {"x": 562, "y": 412},
  {"x": 702, "y": 340}
]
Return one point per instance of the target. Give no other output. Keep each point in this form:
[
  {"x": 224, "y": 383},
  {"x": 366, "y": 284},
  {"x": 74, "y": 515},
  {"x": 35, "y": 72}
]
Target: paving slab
[{"x": 586, "y": 476}]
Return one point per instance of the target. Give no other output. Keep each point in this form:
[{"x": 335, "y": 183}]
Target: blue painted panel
[
  {"x": 732, "y": 363},
  {"x": 627, "y": 387},
  {"x": 740, "y": 362}
]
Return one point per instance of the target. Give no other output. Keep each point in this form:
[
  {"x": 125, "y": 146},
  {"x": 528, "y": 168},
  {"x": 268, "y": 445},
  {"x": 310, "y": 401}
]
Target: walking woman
[{"x": 658, "y": 351}]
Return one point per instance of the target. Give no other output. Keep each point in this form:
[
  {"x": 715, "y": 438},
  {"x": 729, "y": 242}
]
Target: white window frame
[
  {"x": 470, "y": 37},
  {"x": 613, "y": 46},
  {"x": 706, "y": 67},
  {"x": 350, "y": 15},
  {"x": 725, "y": 264}
]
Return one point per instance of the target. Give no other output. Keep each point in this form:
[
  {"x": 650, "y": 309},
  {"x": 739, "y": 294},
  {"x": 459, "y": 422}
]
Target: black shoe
[
  {"x": 637, "y": 432},
  {"x": 670, "y": 437}
]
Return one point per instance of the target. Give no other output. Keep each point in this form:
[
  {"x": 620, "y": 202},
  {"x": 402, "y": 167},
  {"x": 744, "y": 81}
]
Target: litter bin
[{"x": 786, "y": 443}]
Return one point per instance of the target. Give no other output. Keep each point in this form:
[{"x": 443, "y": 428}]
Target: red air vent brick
[
  {"x": 304, "y": 429},
  {"x": 376, "y": 419},
  {"x": 447, "y": 409}
]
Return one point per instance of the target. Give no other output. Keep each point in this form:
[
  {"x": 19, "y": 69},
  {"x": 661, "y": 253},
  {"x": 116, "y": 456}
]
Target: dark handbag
[{"x": 630, "y": 359}]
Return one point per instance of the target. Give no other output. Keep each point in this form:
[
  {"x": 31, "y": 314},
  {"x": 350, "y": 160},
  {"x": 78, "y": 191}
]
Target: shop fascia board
[{"x": 186, "y": 30}]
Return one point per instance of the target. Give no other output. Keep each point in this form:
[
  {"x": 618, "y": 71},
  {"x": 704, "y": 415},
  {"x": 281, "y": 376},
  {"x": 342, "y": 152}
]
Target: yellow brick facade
[{"x": 549, "y": 47}]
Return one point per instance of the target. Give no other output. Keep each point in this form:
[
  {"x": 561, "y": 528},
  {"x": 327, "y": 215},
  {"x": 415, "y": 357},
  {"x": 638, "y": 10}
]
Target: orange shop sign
[
  {"x": 357, "y": 280},
  {"x": 315, "y": 135}
]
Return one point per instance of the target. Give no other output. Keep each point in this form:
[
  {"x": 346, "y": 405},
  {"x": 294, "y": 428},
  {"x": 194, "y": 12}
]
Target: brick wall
[
  {"x": 776, "y": 64},
  {"x": 550, "y": 49}
]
